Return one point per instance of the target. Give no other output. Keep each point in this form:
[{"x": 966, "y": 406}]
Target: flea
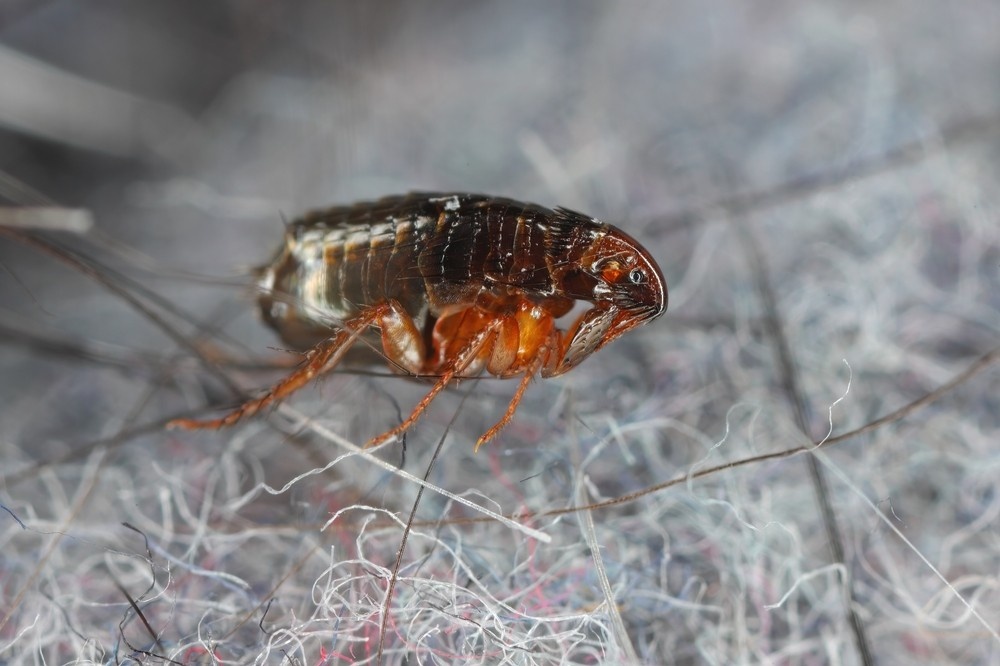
[{"x": 451, "y": 285}]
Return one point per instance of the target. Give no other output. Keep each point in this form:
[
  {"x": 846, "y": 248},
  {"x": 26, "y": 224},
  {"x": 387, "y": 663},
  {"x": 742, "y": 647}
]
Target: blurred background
[{"x": 817, "y": 181}]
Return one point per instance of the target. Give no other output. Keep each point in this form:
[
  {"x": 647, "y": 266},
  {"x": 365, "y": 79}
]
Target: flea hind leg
[{"x": 321, "y": 358}]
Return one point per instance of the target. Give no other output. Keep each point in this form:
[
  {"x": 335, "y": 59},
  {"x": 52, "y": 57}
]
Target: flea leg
[
  {"x": 536, "y": 363},
  {"x": 319, "y": 359},
  {"x": 478, "y": 344}
]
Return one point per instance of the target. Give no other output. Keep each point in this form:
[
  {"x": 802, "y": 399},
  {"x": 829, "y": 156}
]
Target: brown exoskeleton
[{"x": 455, "y": 284}]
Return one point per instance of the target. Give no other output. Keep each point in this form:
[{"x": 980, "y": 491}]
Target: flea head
[
  {"x": 628, "y": 280},
  {"x": 625, "y": 285}
]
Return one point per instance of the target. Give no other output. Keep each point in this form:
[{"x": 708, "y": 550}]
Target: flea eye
[{"x": 636, "y": 276}]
